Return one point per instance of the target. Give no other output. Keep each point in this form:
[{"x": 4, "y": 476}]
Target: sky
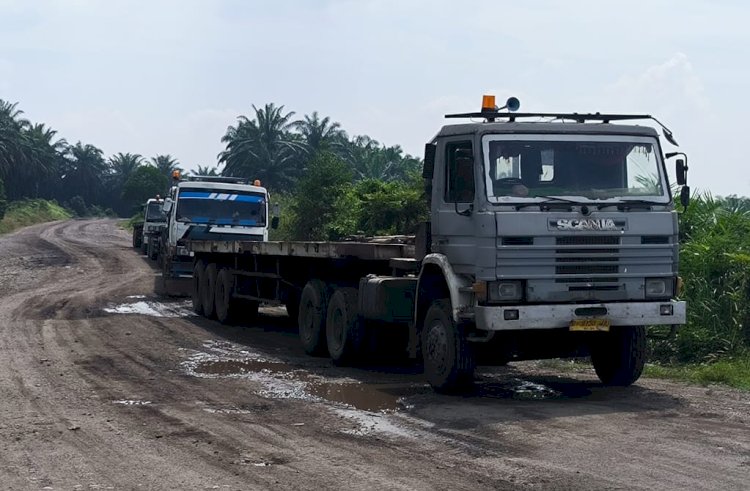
[{"x": 169, "y": 76}]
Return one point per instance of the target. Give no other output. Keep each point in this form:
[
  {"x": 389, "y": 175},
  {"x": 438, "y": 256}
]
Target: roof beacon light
[
  {"x": 256, "y": 182},
  {"x": 488, "y": 103}
]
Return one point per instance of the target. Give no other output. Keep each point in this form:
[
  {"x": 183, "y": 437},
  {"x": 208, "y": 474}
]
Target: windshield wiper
[
  {"x": 547, "y": 201},
  {"x": 633, "y": 203}
]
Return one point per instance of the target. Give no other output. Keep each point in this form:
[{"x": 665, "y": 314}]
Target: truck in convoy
[
  {"x": 146, "y": 233},
  {"x": 154, "y": 222},
  {"x": 555, "y": 237},
  {"x": 213, "y": 209}
]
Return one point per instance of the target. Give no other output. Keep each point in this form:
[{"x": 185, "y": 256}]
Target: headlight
[
  {"x": 659, "y": 287},
  {"x": 182, "y": 251},
  {"x": 504, "y": 291}
]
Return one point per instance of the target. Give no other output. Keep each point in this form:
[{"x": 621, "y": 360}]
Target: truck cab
[
  {"x": 214, "y": 208},
  {"x": 547, "y": 239},
  {"x": 154, "y": 220}
]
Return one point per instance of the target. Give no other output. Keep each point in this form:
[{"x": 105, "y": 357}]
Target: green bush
[
  {"x": 29, "y": 212},
  {"x": 715, "y": 266}
]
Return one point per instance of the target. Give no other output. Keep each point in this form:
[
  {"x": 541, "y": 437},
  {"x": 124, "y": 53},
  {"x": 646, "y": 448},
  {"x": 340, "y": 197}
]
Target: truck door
[{"x": 453, "y": 197}]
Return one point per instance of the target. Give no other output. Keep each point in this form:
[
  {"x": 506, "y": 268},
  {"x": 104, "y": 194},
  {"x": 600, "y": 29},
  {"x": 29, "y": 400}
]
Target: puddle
[
  {"x": 520, "y": 390},
  {"x": 366, "y": 397},
  {"x": 152, "y": 308},
  {"x": 239, "y": 367},
  {"x": 129, "y": 402},
  {"x": 282, "y": 381}
]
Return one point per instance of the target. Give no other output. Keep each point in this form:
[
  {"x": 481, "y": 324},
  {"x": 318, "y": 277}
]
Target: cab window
[{"x": 459, "y": 172}]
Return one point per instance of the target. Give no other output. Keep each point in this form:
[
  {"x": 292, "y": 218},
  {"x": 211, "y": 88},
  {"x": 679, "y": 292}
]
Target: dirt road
[{"x": 105, "y": 385}]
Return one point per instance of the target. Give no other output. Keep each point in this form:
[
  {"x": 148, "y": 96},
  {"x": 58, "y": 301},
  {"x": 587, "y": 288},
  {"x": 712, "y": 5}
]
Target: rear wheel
[
  {"x": 226, "y": 305},
  {"x": 448, "y": 359},
  {"x": 620, "y": 355},
  {"x": 208, "y": 287},
  {"x": 313, "y": 307},
  {"x": 344, "y": 331},
  {"x": 199, "y": 270}
]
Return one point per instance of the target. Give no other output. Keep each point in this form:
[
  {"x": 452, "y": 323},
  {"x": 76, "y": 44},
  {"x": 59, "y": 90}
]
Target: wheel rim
[{"x": 437, "y": 347}]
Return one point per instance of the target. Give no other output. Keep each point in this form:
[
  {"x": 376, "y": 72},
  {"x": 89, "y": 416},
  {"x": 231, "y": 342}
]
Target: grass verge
[
  {"x": 29, "y": 212},
  {"x": 734, "y": 372}
]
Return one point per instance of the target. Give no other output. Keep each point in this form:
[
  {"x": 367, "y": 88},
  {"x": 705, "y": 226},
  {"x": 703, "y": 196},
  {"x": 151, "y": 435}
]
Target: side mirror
[
  {"x": 429, "y": 160},
  {"x": 685, "y": 196},
  {"x": 681, "y": 171},
  {"x": 275, "y": 223},
  {"x": 167, "y": 206}
]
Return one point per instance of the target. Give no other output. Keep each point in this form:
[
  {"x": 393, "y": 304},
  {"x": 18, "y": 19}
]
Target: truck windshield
[
  {"x": 231, "y": 207},
  {"x": 155, "y": 213},
  {"x": 583, "y": 167}
]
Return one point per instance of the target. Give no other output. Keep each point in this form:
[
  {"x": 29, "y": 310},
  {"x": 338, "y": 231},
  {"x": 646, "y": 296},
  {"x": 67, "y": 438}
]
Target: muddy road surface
[{"x": 105, "y": 385}]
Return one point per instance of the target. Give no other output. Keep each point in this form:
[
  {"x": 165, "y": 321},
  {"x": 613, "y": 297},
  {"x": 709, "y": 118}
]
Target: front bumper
[{"x": 557, "y": 316}]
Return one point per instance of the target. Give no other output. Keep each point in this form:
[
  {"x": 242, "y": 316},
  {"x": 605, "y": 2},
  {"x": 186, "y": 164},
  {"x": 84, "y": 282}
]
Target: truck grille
[
  {"x": 583, "y": 260},
  {"x": 571, "y": 264}
]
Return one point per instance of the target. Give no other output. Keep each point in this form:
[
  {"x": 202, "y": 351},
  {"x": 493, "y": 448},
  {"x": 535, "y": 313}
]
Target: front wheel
[
  {"x": 199, "y": 270},
  {"x": 208, "y": 291},
  {"x": 620, "y": 355},
  {"x": 448, "y": 358}
]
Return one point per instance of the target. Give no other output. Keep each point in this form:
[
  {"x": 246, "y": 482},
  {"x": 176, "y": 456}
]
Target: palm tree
[
  {"x": 45, "y": 155},
  {"x": 14, "y": 148},
  {"x": 122, "y": 166},
  {"x": 263, "y": 147},
  {"x": 84, "y": 172},
  {"x": 206, "y": 171},
  {"x": 321, "y": 134},
  {"x": 166, "y": 165}
]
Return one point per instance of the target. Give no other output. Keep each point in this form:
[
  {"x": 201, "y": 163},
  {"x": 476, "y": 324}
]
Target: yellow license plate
[{"x": 589, "y": 325}]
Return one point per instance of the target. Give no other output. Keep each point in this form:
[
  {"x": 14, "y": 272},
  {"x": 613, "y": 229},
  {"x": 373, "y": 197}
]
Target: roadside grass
[
  {"x": 734, "y": 372},
  {"x": 30, "y": 212},
  {"x": 730, "y": 371},
  {"x": 130, "y": 222}
]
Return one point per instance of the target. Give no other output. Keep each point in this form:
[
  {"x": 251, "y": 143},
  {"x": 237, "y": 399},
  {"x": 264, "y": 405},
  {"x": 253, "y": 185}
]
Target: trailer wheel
[
  {"x": 448, "y": 359},
  {"x": 620, "y": 355},
  {"x": 344, "y": 332},
  {"x": 208, "y": 288},
  {"x": 199, "y": 271},
  {"x": 226, "y": 305},
  {"x": 313, "y": 307}
]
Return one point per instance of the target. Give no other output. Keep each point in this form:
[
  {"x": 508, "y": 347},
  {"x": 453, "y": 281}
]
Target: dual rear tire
[{"x": 213, "y": 295}]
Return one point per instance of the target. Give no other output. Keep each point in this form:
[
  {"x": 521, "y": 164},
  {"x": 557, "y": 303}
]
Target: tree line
[{"x": 35, "y": 162}]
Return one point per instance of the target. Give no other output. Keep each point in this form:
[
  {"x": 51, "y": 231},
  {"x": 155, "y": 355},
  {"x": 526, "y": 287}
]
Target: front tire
[
  {"x": 343, "y": 326},
  {"x": 199, "y": 270},
  {"x": 208, "y": 289},
  {"x": 620, "y": 355},
  {"x": 448, "y": 359},
  {"x": 313, "y": 307}
]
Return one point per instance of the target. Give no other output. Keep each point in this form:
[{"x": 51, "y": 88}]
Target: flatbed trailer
[{"x": 368, "y": 283}]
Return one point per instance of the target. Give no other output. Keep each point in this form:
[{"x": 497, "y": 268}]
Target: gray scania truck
[{"x": 551, "y": 235}]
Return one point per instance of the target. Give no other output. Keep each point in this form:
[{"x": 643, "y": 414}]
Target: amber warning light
[{"x": 488, "y": 103}]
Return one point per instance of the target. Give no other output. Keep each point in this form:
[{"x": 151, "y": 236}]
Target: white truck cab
[{"x": 215, "y": 208}]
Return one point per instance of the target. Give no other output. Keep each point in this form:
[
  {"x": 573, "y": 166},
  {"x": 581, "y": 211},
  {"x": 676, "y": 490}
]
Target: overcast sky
[{"x": 169, "y": 76}]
